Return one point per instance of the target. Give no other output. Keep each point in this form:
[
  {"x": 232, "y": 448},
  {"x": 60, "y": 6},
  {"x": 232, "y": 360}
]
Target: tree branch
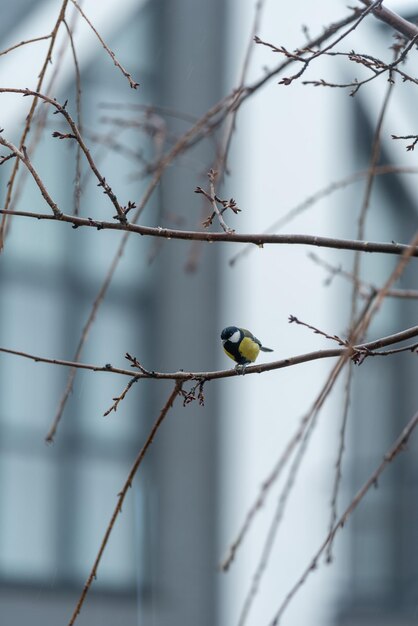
[
  {"x": 408, "y": 29},
  {"x": 133, "y": 84},
  {"x": 22, "y": 155},
  {"x": 29, "y": 117},
  {"x": 353, "y": 352},
  {"x": 393, "y": 451},
  {"x": 259, "y": 239},
  {"x": 121, "y": 497},
  {"x": 75, "y": 134}
]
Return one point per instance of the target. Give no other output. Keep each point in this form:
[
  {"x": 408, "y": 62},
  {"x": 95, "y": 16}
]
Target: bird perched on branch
[{"x": 241, "y": 346}]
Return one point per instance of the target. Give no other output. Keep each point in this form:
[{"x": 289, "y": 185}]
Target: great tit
[{"x": 241, "y": 345}]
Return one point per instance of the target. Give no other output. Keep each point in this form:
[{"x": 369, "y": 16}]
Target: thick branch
[{"x": 408, "y": 29}]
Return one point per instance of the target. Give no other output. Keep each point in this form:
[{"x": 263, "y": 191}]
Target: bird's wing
[{"x": 251, "y": 336}]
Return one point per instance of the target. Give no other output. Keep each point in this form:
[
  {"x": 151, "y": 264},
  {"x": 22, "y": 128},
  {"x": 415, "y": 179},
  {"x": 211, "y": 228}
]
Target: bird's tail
[{"x": 264, "y": 349}]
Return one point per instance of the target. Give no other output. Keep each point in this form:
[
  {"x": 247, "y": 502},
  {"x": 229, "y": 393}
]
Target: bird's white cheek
[{"x": 235, "y": 337}]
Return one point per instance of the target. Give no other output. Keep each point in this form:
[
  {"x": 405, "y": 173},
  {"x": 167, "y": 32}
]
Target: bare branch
[
  {"x": 83, "y": 338},
  {"x": 121, "y": 497},
  {"x": 377, "y": 67},
  {"x": 392, "y": 453},
  {"x": 366, "y": 288},
  {"x": 351, "y": 351},
  {"x": 132, "y": 83},
  {"x": 25, "y": 43},
  {"x": 322, "y": 193},
  {"x": 259, "y": 239},
  {"x": 374, "y": 157},
  {"x": 317, "y": 331},
  {"x": 213, "y": 199},
  {"x": 408, "y": 29},
  {"x": 338, "y": 464},
  {"x": 307, "y": 60},
  {"x": 394, "y": 276},
  {"x": 410, "y": 147},
  {"x": 75, "y": 134},
  {"x": 122, "y": 396},
  {"x": 29, "y": 117},
  {"x": 77, "y": 184},
  {"x": 22, "y": 155}
]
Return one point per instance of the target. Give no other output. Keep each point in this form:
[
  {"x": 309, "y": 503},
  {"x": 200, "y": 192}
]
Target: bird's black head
[{"x": 228, "y": 332}]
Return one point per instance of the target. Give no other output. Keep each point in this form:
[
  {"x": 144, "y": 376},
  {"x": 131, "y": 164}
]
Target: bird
[{"x": 241, "y": 346}]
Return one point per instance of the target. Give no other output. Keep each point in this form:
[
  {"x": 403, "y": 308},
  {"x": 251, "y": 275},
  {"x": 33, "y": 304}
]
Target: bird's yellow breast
[{"x": 249, "y": 349}]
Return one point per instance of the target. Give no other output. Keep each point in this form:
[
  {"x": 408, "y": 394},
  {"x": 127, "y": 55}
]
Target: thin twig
[
  {"x": 75, "y": 134},
  {"x": 222, "y": 159},
  {"x": 22, "y": 155},
  {"x": 366, "y": 288},
  {"x": 25, "y": 43},
  {"x": 375, "y": 154},
  {"x": 376, "y": 66},
  {"x": 42, "y": 113},
  {"x": 121, "y": 497},
  {"x": 77, "y": 185},
  {"x": 29, "y": 118},
  {"x": 410, "y": 147},
  {"x": 317, "y": 331},
  {"x": 411, "y": 348},
  {"x": 132, "y": 83},
  {"x": 84, "y": 334},
  {"x": 213, "y": 200},
  {"x": 338, "y": 464},
  {"x": 150, "y": 109},
  {"x": 319, "y": 195},
  {"x": 394, "y": 276},
  {"x": 307, "y": 60},
  {"x": 118, "y": 399}
]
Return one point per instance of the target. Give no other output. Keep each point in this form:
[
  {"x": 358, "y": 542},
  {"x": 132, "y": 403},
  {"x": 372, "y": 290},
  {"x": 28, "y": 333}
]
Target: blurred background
[{"x": 167, "y": 304}]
